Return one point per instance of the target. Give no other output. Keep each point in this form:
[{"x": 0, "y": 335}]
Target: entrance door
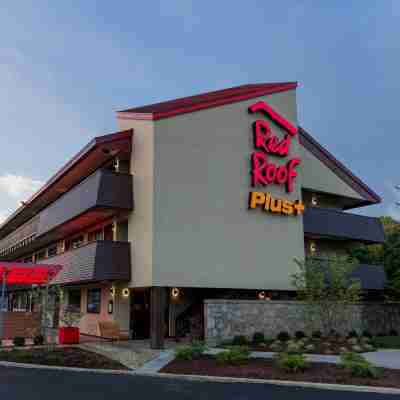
[{"x": 140, "y": 314}]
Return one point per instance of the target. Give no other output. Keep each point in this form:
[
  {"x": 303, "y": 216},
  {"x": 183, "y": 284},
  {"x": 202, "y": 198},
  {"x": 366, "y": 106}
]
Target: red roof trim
[
  {"x": 16, "y": 273},
  {"x": 204, "y": 101},
  {"x": 327, "y": 158}
]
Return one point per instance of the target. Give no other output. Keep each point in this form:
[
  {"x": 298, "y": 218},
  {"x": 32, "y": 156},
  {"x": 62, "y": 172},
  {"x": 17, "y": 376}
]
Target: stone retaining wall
[
  {"x": 18, "y": 324},
  {"x": 227, "y": 318}
]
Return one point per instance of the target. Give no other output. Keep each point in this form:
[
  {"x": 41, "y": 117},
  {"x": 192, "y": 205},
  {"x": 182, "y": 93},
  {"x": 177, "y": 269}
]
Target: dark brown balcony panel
[
  {"x": 320, "y": 222},
  {"x": 104, "y": 190},
  {"x": 94, "y": 262},
  {"x": 89, "y": 159}
]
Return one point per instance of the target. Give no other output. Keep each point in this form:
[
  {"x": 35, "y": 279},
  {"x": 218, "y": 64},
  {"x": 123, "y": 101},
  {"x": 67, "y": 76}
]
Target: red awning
[{"x": 27, "y": 273}]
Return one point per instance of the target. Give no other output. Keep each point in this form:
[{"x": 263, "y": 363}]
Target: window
[
  {"x": 74, "y": 299},
  {"x": 94, "y": 301},
  {"x": 95, "y": 235},
  {"x": 52, "y": 250}
]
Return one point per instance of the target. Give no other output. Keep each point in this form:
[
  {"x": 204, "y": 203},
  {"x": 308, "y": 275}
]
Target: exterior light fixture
[
  {"x": 175, "y": 292},
  {"x": 125, "y": 292},
  {"x": 314, "y": 200},
  {"x": 112, "y": 291},
  {"x": 262, "y": 295},
  {"x": 313, "y": 248}
]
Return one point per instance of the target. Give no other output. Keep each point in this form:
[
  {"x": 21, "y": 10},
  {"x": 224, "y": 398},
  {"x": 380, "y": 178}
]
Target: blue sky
[{"x": 67, "y": 66}]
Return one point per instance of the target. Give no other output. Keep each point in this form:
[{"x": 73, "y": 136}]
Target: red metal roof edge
[
  {"x": 121, "y": 135},
  {"x": 205, "y": 101},
  {"x": 345, "y": 173}
]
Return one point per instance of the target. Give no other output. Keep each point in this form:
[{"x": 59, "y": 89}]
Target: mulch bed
[
  {"x": 61, "y": 357},
  {"x": 266, "y": 369}
]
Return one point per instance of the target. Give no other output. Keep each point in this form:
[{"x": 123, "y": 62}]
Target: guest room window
[{"x": 94, "y": 301}]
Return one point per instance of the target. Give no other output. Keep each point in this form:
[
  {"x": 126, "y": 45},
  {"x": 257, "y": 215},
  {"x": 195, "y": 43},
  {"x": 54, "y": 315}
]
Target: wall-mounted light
[
  {"x": 313, "y": 247},
  {"x": 111, "y": 306},
  {"x": 264, "y": 296},
  {"x": 175, "y": 292},
  {"x": 314, "y": 200},
  {"x": 112, "y": 291},
  {"x": 125, "y": 292}
]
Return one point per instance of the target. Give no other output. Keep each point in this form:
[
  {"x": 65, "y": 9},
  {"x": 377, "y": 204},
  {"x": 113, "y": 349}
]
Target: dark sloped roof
[
  {"x": 327, "y": 158},
  {"x": 202, "y": 101}
]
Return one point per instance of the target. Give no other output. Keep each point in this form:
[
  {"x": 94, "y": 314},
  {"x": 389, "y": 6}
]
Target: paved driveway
[{"x": 22, "y": 384}]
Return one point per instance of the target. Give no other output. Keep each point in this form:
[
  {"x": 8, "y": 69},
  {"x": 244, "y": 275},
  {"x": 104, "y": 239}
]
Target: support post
[{"x": 157, "y": 308}]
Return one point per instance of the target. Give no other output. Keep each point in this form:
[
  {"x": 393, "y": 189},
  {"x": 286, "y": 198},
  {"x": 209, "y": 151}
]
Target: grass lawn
[
  {"x": 387, "y": 342},
  {"x": 61, "y": 357}
]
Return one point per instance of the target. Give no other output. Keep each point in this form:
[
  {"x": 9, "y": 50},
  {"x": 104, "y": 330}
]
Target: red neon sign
[{"x": 263, "y": 171}]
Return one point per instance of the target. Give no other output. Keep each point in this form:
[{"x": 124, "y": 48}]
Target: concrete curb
[
  {"x": 70, "y": 369},
  {"x": 309, "y": 385}
]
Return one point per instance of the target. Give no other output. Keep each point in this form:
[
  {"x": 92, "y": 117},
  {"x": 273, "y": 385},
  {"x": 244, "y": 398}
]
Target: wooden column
[{"x": 157, "y": 308}]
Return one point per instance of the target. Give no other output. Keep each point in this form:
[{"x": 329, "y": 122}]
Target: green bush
[
  {"x": 316, "y": 335},
  {"x": 283, "y": 336},
  {"x": 358, "y": 366},
  {"x": 38, "y": 340},
  {"x": 291, "y": 362},
  {"x": 240, "y": 340},
  {"x": 367, "y": 334},
  {"x": 387, "y": 342},
  {"x": 352, "y": 334},
  {"x": 234, "y": 355},
  {"x": 19, "y": 341},
  {"x": 258, "y": 338},
  {"x": 190, "y": 352},
  {"x": 299, "y": 335}
]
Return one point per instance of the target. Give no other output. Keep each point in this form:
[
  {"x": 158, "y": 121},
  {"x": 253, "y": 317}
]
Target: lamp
[
  {"x": 175, "y": 292},
  {"x": 125, "y": 292}
]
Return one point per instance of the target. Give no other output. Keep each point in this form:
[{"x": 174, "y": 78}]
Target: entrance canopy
[{"x": 15, "y": 273}]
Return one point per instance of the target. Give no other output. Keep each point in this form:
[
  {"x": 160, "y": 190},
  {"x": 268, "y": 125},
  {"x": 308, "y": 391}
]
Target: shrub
[
  {"x": 234, "y": 355},
  {"x": 299, "y": 335},
  {"x": 283, "y": 336},
  {"x": 38, "y": 340},
  {"x": 291, "y": 362},
  {"x": 358, "y": 366},
  {"x": 19, "y": 341},
  {"x": 387, "y": 342},
  {"x": 367, "y": 334},
  {"x": 240, "y": 340},
  {"x": 393, "y": 332},
  {"x": 190, "y": 352},
  {"x": 294, "y": 347},
  {"x": 317, "y": 335},
  {"x": 258, "y": 338},
  {"x": 352, "y": 334}
]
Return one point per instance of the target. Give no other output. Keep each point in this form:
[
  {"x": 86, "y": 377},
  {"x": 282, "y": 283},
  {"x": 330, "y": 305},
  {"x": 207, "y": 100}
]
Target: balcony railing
[
  {"x": 94, "y": 262},
  {"x": 322, "y": 222}
]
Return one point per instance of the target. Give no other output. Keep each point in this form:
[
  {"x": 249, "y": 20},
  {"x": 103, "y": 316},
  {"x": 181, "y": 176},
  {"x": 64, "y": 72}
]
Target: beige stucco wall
[
  {"x": 316, "y": 176},
  {"x": 204, "y": 235},
  {"x": 140, "y": 230}
]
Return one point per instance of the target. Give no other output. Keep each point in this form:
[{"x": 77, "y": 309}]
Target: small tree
[
  {"x": 70, "y": 317},
  {"x": 327, "y": 290}
]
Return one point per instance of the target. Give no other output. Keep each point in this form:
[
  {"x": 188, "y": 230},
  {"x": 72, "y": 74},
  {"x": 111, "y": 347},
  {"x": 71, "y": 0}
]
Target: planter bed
[
  {"x": 266, "y": 369},
  {"x": 61, "y": 357}
]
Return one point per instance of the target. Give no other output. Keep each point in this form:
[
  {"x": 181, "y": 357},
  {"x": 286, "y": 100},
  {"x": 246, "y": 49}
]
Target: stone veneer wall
[{"x": 227, "y": 318}]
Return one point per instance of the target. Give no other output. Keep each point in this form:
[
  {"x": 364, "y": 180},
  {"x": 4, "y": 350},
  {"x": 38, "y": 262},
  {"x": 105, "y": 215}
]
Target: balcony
[
  {"x": 94, "y": 262},
  {"x": 320, "y": 222},
  {"x": 100, "y": 196}
]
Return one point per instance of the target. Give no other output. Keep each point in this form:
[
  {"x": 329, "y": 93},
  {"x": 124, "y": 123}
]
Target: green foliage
[
  {"x": 316, "y": 335},
  {"x": 258, "y": 338},
  {"x": 190, "y": 352},
  {"x": 352, "y": 334},
  {"x": 240, "y": 340},
  {"x": 38, "y": 340},
  {"x": 387, "y": 342},
  {"x": 367, "y": 334},
  {"x": 299, "y": 335},
  {"x": 234, "y": 355},
  {"x": 291, "y": 362},
  {"x": 358, "y": 366},
  {"x": 325, "y": 288},
  {"x": 69, "y": 316},
  {"x": 19, "y": 341},
  {"x": 283, "y": 336}
]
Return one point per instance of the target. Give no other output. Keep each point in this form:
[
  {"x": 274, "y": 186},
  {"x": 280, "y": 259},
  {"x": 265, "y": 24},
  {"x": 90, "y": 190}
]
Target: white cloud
[{"x": 18, "y": 187}]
